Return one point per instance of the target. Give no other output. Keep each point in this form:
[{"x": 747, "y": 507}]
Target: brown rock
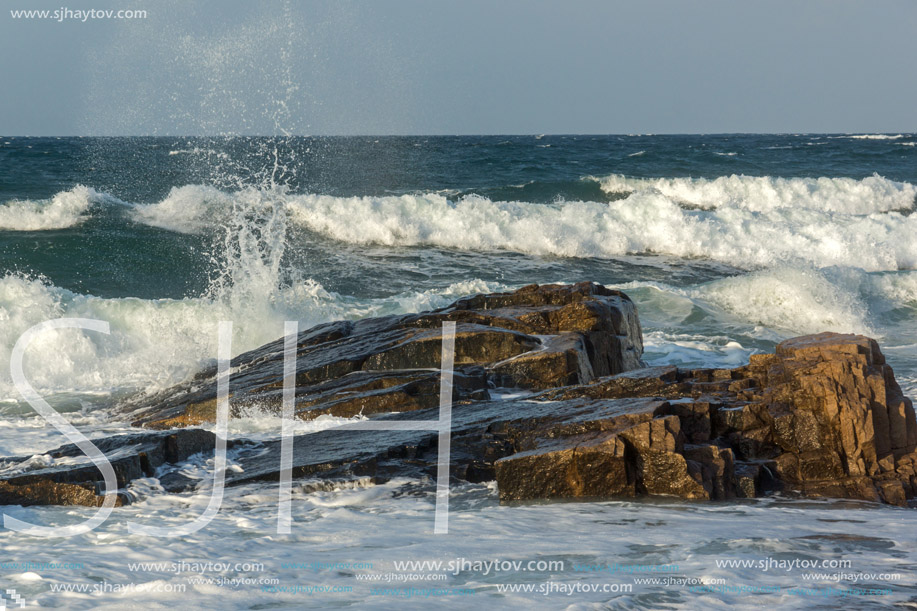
[
  {"x": 588, "y": 466},
  {"x": 562, "y": 361},
  {"x": 537, "y": 337},
  {"x": 824, "y": 414},
  {"x": 47, "y": 492}
]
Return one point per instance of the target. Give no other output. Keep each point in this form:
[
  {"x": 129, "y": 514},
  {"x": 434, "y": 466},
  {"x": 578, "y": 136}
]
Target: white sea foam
[
  {"x": 65, "y": 209},
  {"x": 797, "y": 300},
  {"x": 645, "y": 222},
  {"x": 768, "y": 193},
  {"x": 871, "y": 136},
  {"x": 379, "y": 525},
  {"x": 747, "y": 222},
  {"x": 743, "y": 221},
  {"x": 693, "y": 350},
  {"x": 156, "y": 343}
]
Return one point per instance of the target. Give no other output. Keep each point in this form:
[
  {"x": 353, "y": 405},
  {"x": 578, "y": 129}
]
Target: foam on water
[
  {"x": 797, "y": 300},
  {"x": 378, "y": 525},
  {"x": 749, "y": 222},
  {"x": 693, "y": 350},
  {"x": 156, "y": 343},
  {"x": 645, "y": 222},
  {"x": 768, "y": 193},
  {"x": 871, "y": 136},
  {"x": 65, "y": 209}
]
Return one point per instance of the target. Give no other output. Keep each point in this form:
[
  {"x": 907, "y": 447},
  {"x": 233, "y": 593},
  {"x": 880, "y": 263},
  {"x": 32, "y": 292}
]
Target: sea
[{"x": 728, "y": 244}]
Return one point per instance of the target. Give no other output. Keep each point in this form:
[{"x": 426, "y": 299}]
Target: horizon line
[{"x": 468, "y": 135}]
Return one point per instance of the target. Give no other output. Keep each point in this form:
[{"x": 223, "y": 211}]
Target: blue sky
[{"x": 463, "y": 67}]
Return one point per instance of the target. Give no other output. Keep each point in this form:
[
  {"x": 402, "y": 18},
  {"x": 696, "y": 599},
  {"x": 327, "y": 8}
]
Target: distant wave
[
  {"x": 766, "y": 193},
  {"x": 871, "y": 137},
  {"x": 65, "y": 209},
  {"x": 199, "y": 151}
]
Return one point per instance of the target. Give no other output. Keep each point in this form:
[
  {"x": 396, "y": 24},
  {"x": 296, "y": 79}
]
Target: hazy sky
[{"x": 461, "y": 67}]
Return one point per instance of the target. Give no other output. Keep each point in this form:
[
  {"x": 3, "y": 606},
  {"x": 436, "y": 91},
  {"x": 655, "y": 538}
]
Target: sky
[{"x": 379, "y": 67}]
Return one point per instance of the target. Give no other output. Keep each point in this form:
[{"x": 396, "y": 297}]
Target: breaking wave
[
  {"x": 65, "y": 209},
  {"x": 747, "y": 222},
  {"x": 768, "y": 193}
]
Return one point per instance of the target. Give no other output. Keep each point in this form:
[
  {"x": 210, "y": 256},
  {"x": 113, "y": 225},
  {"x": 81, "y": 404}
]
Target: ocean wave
[
  {"x": 65, "y": 209},
  {"x": 644, "y": 222},
  {"x": 156, "y": 343},
  {"x": 194, "y": 208},
  {"x": 870, "y": 137},
  {"x": 819, "y": 222},
  {"x": 796, "y": 300},
  {"x": 766, "y": 193},
  {"x": 777, "y": 303},
  {"x": 199, "y": 151},
  {"x": 693, "y": 350},
  {"x": 745, "y": 222},
  {"x": 769, "y": 305}
]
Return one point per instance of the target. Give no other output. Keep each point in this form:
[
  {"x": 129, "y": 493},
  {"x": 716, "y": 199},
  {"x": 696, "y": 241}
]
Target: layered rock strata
[{"x": 551, "y": 400}]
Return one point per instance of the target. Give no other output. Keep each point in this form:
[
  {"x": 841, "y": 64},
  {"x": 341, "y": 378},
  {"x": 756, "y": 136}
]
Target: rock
[
  {"x": 48, "y": 492},
  {"x": 644, "y": 382},
  {"x": 838, "y": 416},
  {"x": 131, "y": 457},
  {"x": 590, "y": 466},
  {"x": 747, "y": 480},
  {"x": 562, "y": 361},
  {"x": 535, "y": 338},
  {"x": 823, "y": 416}
]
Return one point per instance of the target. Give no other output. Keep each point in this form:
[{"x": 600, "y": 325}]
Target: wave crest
[
  {"x": 766, "y": 193},
  {"x": 65, "y": 209}
]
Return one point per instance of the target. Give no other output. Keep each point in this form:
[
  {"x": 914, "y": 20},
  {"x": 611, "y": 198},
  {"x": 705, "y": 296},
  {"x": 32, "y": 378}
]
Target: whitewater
[{"x": 725, "y": 256}]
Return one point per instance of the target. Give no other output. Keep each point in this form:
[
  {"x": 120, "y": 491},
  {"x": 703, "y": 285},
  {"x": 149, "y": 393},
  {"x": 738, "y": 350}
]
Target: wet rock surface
[
  {"x": 535, "y": 338},
  {"x": 131, "y": 457},
  {"x": 823, "y": 416}
]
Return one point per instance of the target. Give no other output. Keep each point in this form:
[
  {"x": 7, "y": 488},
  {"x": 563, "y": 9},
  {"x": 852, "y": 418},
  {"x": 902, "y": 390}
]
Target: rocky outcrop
[
  {"x": 131, "y": 457},
  {"x": 535, "y": 338},
  {"x": 823, "y": 416}
]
